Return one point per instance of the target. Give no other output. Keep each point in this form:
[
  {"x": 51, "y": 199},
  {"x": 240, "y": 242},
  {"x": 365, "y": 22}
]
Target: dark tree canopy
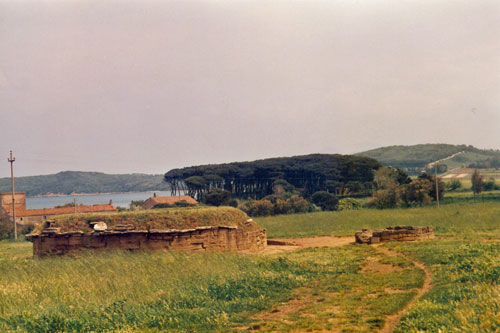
[{"x": 309, "y": 174}]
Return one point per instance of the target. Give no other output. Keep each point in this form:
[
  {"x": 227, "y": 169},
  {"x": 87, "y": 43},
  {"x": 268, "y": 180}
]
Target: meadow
[{"x": 340, "y": 288}]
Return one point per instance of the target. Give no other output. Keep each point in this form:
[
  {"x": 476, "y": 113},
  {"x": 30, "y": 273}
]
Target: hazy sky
[{"x": 146, "y": 86}]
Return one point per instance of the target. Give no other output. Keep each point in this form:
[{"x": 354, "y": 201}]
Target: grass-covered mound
[{"x": 158, "y": 219}]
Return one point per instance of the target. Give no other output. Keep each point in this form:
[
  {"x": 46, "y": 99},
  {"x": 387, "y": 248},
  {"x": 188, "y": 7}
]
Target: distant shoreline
[{"x": 52, "y": 195}]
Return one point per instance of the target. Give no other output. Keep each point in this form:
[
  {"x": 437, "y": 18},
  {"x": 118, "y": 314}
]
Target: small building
[
  {"x": 171, "y": 201},
  {"x": 31, "y": 216},
  {"x": 19, "y": 200}
]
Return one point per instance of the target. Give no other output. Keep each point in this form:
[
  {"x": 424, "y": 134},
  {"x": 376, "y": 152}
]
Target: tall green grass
[
  {"x": 465, "y": 295},
  {"x": 159, "y": 291},
  {"x": 454, "y": 219},
  {"x": 169, "y": 291},
  {"x": 118, "y": 290}
]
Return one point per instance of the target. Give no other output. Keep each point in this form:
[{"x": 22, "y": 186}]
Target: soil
[
  {"x": 372, "y": 265},
  {"x": 293, "y": 244}
]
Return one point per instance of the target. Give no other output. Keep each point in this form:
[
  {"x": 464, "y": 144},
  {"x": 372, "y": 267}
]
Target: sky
[{"x": 146, "y": 86}]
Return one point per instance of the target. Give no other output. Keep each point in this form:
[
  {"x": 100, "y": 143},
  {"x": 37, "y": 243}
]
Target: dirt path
[
  {"x": 293, "y": 244},
  {"x": 392, "y": 320}
]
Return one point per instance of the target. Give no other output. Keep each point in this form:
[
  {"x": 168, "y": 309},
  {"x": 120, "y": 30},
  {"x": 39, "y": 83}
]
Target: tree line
[{"x": 308, "y": 173}]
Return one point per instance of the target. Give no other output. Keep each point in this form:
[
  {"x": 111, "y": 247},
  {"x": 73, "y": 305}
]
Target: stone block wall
[
  {"x": 221, "y": 238},
  {"x": 399, "y": 233}
]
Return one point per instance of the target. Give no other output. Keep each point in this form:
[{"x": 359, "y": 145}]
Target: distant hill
[
  {"x": 417, "y": 157},
  {"x": 68, "y": 182}
]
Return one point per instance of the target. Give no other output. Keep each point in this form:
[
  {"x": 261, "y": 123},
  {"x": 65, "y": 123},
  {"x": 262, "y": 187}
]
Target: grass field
[
  {"x": 453, "y": 219},
  {"x": 310, "y": 289}
]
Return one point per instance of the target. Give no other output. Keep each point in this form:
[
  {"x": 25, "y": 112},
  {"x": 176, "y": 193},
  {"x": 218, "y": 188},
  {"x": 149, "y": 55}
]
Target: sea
[{"x": 119, "y": 199}]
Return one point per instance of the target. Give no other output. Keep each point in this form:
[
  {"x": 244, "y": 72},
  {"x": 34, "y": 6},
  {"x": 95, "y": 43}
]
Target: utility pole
[
  {"x": 74, "y": 204},
  {"x": 11, "y": 161},
  {"x": 437, "y": 186}
]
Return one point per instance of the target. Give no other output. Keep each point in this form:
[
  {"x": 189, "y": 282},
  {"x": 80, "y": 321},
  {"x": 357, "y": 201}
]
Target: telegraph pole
[
  {"x": 437, "y": 186},
  {"x": 11, "y": 161}
]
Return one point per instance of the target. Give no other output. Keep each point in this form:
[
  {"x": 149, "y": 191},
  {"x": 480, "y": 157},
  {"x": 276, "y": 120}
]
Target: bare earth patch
[
  {"x": 373, "y": 265},
  {"x": 293, "y": 244},
  {"x": 284, "y": 309}
]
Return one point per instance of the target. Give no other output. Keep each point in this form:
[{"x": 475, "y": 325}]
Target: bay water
[{"x": 119, "y": 199}]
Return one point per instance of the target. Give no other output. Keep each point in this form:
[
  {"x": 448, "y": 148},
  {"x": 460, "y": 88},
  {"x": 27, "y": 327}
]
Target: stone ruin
[
  {"x": 51, "y": 241},
  {"x": 398, "y": 233}
]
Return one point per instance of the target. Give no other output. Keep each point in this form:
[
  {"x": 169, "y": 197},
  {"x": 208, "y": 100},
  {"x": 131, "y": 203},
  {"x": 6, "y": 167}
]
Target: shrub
[
  {"x": 417, "y": 192},
  {"x": 137, "y": 204},
  {"x": 276, "y": 205},
  {"x": 233, "y": 203},
  {"x": 490, "y": 185},
  {"x": 440, "y": 183},
  {"x": 6, "y": 228},
  {"x": 27, "y": 228},
  {"x": 386, "y": 198},
  {"x": 181, "y": 203},
  {"x": 325, "y": 200},
  {"x": 217, "y": 197},
  {"x": 258, "y": 207},
  {"x": 298, "y": 204},
  {"x": 453, "y": 185},
  {"x": 348, "y": 204}
]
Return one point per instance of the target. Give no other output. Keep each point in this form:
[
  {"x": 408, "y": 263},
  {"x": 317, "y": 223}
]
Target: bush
[
  {"x": 453, "y": 185},
  {"x": 416, "y": 193},
  {"x": 136, "y": 204},
  {"x": 298, "y": 204},
  {"x": 233, "y": 203},
  {"x": 440, "y": 183},
  {"x": 490, "y": 185},
  {"x": 325, "y": 200},
  {"x": 6, "y": 228},
  {"x": 181, "y": 203},
  {"x": 348, "y": 204},
  {"x": 258, "y": 208},
  {"x": 26, "y": 229},
  {"x": 217, "y": 197},
  {"x": 275, "y": 205},
  {"x": 386, "y": 198}
]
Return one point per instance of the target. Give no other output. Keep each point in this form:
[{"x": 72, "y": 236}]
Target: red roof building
[{"x": 27, "y": 216}]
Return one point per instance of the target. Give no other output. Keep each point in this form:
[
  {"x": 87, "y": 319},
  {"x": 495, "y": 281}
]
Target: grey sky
[{"x": 146, "y": 86}]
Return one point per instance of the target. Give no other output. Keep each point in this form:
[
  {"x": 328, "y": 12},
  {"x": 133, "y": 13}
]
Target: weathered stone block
[
  {"x": 200, "y": 239},
  {"x": 397, "y": 233}
]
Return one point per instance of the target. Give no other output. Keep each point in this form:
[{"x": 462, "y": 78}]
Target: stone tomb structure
[
  {"x": 398, "y": 233},
  {"x": 245, "y": 235}
]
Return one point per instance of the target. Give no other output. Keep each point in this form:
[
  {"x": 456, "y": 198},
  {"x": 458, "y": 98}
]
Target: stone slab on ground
[{"x": 398, "y": 233}]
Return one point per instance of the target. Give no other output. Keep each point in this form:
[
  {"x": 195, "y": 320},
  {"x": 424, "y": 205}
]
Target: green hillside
[
  {"x": 67, "y": 182},
  {"x": 415, "y": 158}
]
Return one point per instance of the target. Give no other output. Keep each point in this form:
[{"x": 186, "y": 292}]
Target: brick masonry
[
  {"x": 221, "y": 238},
  {"x": 399, "y": 233}
]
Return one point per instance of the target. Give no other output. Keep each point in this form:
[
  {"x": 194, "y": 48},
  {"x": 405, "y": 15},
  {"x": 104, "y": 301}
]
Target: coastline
[{"x": 53, "y": 195}]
